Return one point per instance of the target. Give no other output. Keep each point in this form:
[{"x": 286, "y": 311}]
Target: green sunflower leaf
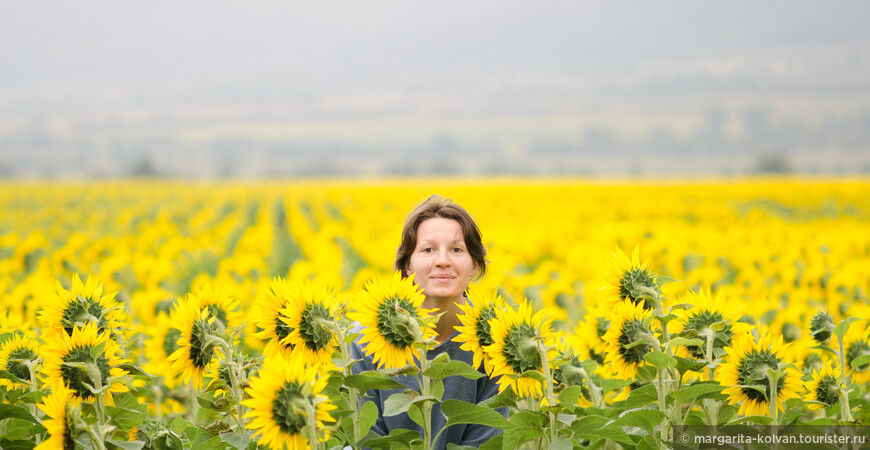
[
  {"x": 17, "y": 444},
  {"x": 696, "y": 391},
  {"x": 128, "y": 412},
  {"x": 662, "y": 280},
  {"x": 686, "y": 342},
  {"x": 9, "y": 376},
  {"x": 600, "y": 427},
  {"x": 530, "y": 374},
  {"x": 642, "y": 396},
  {"x": 458, "y": 411},
  {"x": 682, "y": 306},
  {"x": 590, "y": 366},
  {"x": 494, "y": 443},
  {"x": 684, "y": 365},
  {"x": 649, "y": 442},
  {"x": 643, "y": 418},
  {"x": 343, "y": 363},
  {"x": 525, "y": 425},
  {"x": 236, "y": 441},
  {"x": 841, "y": 329},
  {"x": 398, "y": 436},
  {"x": 12, "y": 411},
  {"x": 862, "y": 360},
  {"x": 437, "y": 389},
  {"x": 399, "y": 402},
  {"x": 660, "y": 360},
  {"x": 368, "y": 415},
  {"x": 561, "y": 444},
  {"x": 569, "y": 395},
  {"x": 611, "y": 384},
  {"x": 451, "y": 368},
  {"x": 371, "y": 380},
  {"x": 505, "y": 398},
  {"x": 440, "y": 359},
  {"x": 134, "y": 370},
  {"x": 124, "y": 445}
]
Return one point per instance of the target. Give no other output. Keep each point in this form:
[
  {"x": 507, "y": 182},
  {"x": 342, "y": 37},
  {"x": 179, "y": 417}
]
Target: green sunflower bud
[{"x": 821, "y": 327}]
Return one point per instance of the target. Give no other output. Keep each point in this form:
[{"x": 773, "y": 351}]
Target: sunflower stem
[
  {"x": 551, "y": 400},
  {"x": 235, "y": 388},
  {"x": 711, "y": 405},
  {"x": 353, "y": 399},
  {"x": 33, "y": 408},
  {"x": 311, "y": 424},
  {"x": 845, "y": 410},
  {"x": 96, "y": 438},
  {"x": 427, "y": 406},
  {"x": 661, "y": 398},
  {"x": 592, "y": 388},
  {"x": 772, "y": 399}
]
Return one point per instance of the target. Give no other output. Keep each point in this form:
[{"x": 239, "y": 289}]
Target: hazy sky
[
  {"x": 316, "y": 48},
  {"x": 179, "y": 64}
]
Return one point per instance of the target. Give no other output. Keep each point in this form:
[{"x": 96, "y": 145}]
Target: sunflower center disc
[
  {"x": 702, "y": 321},
  {"x": 753, "y": 371},
  {"x": 76, "y": 377},
  {"x": 826, "y": 392},
  {"x": 201, "y": 352},
  {"x": 82, "y": 311},
  {"x": 513, "y": 352},
  {"x": 481, "y": 328},
  {"x": 289, "y": 421},
  {"x": 315, "y": 335},
  {"x": 631, "y": 279},
  {"x": 391, "y": 327},
  {"x": 631, "y": 332}
]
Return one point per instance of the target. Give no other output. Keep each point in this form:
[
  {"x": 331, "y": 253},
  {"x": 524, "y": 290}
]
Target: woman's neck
[{"x": 447, "y": 323}]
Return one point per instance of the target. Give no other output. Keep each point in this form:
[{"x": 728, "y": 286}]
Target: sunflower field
[{"x": 178, "y": 315}]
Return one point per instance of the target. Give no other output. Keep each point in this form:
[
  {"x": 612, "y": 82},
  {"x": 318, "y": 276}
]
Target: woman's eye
[
  {"x": 457, "y": 250},
  {"x": 427, "y": 250}
]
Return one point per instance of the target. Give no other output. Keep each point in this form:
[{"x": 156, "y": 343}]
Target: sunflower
[
  {"x": 627, "y": 326},
  {"x": 270, "y": 315},
  {"x": 311, "y": 304},
  {"x": 220, "y": 304},
  {"x": 709, "y": 316},
  {"x": 747, "y": 365},
  {"x": 85, "y": 345},
  {"x": 197, "y": 351},
  {"x": 514, "y": 349},
  {"x": 161, "y": 342},
  {"x": 390, "y": 313},
  {"x": 62, "y": 410},
  {"x": 280, "y": 396},
  {"x": 857, "y": 343},
  {"x": 627, "y": 278},
  {"x": 821, "y": 327},
  {"x": 590, "y": 332},
  {"x": 474, "y": 333},
  {"x": 824, "y": 389},
  {"x": 571, "y": 373},
  {"x": 82, "y": 304},
  {"x": 18, "y": 356}
]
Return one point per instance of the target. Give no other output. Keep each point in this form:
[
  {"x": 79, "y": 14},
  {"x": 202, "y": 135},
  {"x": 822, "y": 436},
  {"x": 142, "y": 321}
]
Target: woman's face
[{"x": 441, "y": 262}]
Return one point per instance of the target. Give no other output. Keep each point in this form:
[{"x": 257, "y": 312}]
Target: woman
[{"x": 442, "y": 247}]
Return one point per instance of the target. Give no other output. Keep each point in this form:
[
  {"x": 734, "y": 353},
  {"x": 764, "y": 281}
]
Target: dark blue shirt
[{"x": 455, "y": 387}]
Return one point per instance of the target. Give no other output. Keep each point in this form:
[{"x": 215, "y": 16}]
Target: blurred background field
[{"x": 785, "y": 248}]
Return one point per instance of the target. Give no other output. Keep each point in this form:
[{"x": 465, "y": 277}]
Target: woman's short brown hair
[{"x": 438, "y": 206}]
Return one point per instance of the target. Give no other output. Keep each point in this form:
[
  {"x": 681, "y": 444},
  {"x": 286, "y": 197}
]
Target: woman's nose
[{"x": 442, "y": 259}]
